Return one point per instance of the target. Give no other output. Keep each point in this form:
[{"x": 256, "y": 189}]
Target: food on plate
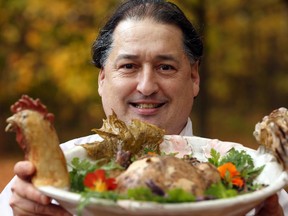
[
  {"x": 37, "y": 137},
  {"x": 272, "y": 132},
  {"x": 166, "y": 178},
  {"x": 160, "y": 168}
]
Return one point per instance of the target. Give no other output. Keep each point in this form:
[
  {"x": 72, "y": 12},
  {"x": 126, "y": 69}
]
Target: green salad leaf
[
  {"x": 215, "y": 157},
  {"x": 176, "y": 195},
  {"x": 219, "y": 190}
]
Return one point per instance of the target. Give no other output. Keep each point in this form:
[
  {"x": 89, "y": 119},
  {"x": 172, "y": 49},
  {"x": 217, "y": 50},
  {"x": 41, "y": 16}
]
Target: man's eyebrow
[
  {"x": 127, "y": 56},
  {"x": 166, "y": 57}
]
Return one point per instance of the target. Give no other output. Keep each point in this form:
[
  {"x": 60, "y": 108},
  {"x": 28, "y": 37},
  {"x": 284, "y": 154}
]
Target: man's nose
[{"x": 147, "y": 82}]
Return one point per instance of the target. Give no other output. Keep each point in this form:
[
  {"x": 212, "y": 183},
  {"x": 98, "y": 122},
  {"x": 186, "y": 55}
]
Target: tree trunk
[{"x": 202, "y": 102}]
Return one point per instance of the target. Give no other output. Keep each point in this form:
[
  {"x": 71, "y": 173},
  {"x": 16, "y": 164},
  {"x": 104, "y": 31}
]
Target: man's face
[{"x": 148, "y": 76}]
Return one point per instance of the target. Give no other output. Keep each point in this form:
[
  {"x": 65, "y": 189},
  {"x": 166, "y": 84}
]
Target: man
[{"x": 148, "y": 54}]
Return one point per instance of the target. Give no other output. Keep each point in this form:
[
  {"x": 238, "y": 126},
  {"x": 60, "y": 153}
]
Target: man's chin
[{"x": 145, "y": 118}]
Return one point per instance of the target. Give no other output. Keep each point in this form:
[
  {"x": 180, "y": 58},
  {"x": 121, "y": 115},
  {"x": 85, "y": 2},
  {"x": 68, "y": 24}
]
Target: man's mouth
[{"x": 147, "y": 106}]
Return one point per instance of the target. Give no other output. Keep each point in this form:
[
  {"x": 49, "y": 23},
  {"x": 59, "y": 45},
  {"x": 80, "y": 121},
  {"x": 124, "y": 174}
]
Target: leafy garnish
[
  {"x": 218, "y": 190},
  {"x": 215, "y": 157},
  {"x": 240, "y": 159},
  {"x": 177, "y": 195}
]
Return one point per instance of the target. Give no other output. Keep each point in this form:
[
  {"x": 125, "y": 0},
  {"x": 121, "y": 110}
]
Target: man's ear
[
  {"x": 195, "y": 72},
  {"x": 101, "y": 78},
  {"x": 195, "y": 78}
]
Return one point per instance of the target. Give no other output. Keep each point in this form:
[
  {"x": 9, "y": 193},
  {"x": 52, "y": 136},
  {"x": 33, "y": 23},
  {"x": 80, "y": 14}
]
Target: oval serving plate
[{"x": 272, "y": 175}]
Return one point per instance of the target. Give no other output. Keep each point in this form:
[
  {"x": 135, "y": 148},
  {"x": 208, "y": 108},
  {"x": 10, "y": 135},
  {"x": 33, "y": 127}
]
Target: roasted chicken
[
  {"x": 163, "y": 173},
  {"x": 36, "y": 135}
]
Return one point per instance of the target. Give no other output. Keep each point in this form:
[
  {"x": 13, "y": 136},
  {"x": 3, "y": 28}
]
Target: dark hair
[{"x": 159, "y": 10}]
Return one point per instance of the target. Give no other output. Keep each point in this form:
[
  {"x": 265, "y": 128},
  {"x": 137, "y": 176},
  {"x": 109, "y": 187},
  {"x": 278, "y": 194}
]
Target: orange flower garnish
[
  {"x": 229, "y": 172},
  {"x": 97, "y": 181},
  {"x": 237, "y": 181}
]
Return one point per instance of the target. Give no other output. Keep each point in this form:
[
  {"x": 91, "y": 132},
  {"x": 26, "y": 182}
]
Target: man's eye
[
  {"x": 166, "y": 67},
  {"x": 128, "y": 66}
]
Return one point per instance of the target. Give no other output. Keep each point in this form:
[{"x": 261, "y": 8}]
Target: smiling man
[
  {"x": 148, "y": 54},
  {"x": 148, "y": 75}
]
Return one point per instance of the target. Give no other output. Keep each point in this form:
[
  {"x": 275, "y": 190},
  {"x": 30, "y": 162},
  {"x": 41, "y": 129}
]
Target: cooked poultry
[
  {"x": 36, "y": 135},
  {"x": 168, "y": 172},
  {"x": 272, "y": 132}
]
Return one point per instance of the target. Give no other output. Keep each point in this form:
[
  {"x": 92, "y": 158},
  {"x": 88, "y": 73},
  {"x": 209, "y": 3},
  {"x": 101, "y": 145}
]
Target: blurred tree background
[{"x": 45, "y": 53}]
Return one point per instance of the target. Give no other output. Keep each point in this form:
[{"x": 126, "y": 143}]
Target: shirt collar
[{"x": 187, "y": 130}]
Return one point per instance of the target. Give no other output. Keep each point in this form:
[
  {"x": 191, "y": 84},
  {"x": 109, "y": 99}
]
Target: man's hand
[
  {"x": 26, "y": 199},
  {"x": 271, "y": 207}
]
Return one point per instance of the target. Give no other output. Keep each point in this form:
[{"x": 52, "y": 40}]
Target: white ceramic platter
[{"x": 272, "y": 175}]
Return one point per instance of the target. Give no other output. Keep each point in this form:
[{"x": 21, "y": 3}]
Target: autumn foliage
[{"x": 45, "y": 52}]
